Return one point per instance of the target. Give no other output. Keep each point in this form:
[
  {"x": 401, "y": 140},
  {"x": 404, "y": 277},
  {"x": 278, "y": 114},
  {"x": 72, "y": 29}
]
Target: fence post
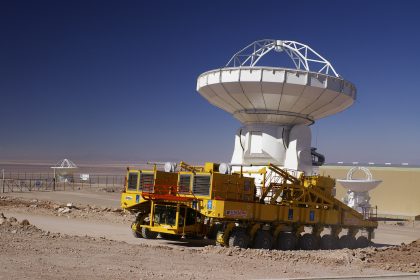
[
  {"x": 2, "y": 183},
  {"x": 54, "y": 181}
]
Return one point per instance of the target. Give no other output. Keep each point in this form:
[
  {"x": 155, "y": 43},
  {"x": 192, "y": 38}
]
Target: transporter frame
[{"x": 288, "y": 211}]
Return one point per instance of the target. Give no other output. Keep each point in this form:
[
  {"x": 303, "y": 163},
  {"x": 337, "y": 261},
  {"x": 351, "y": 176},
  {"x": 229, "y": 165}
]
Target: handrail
[
  {"x": 286, "y": 176},
  {"x": 192, "y": 168}
]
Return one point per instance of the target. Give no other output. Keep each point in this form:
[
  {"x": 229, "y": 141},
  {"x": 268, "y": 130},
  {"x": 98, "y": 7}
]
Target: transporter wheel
[
  {"x": 239, "y": 238},
  {"x": 141, "y": 219},
  {"x": 213, "y": 230},
  {"x": 263, "y": 240},
  {"x": 218, "y": 244},
  {"x": 362, "y": 242},
  {"x": 287, "y": 241},
  {"x": 136, "y": 234},
  {"x": 148, "y": 234},
  {"x": 347, "y": 241},
  {"x": 329, "y": 242},
  {"x": 309, "y": 241}
]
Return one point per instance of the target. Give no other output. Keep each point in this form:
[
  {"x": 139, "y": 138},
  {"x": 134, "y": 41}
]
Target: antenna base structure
[{"x": 276, "y": 105}]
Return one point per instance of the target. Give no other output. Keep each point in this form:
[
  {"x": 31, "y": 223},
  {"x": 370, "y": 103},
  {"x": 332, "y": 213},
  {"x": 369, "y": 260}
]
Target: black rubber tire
[
  {"x": 213, "y": 230},
  {"x": 329, "y": 242},
  {"x": 263, "y": 240},
  {"x": 136, "y": 234},
  {"x": 309, "y": 242},
  {"x": 239, "y": 238},
  {"x": 148, "y": 234},
  {"x": 287, "y": 241},
  {"x": 140, "y": 220},
  {"x": 347, "y": 241},
  {"x": 362, "y": 242}
]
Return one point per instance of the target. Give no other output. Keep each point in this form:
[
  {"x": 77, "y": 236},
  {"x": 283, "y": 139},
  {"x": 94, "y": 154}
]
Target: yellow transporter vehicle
[
  {"x": 137, "y": 182},
  {"x": 203, "y": 201}
]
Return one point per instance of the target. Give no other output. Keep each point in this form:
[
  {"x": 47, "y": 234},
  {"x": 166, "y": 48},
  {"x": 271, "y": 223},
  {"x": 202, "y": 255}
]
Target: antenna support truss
[{"x": 303, "y": 56}]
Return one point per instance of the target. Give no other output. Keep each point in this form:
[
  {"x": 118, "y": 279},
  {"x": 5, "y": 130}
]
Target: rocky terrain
[
  {"x": 69, "y": 210},
  {"x": 28, "y": 252}
]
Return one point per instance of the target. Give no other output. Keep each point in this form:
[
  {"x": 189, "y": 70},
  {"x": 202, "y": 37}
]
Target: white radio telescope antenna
[
  {"x": 65, "y": 169},
  {"x": 277, "y": 104}
]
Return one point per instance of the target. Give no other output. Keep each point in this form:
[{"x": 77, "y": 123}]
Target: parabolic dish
[
  {"x": 359, "y": 185},
  {"x": 65, "y": 167},
  {"x": 63, "y": 171},
  {"x": 275, "y": 95},
  {"x": 278, "y": 95}
]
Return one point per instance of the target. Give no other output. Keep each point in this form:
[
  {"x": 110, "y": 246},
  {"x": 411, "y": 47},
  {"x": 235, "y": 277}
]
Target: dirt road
[
  {"x": 95, "y": 242},
  {"x": 30, "y": 253},
  {"x": 87, "y": 196},
  {"x": 388, "y": 233}
]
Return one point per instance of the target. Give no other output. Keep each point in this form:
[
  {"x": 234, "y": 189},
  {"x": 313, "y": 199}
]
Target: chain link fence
[{"x": 27, "y": 182}]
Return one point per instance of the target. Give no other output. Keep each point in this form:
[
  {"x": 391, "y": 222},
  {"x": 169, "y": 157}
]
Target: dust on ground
[
  {"x": 69, "y": 210},
  {"x": 29, "y": 252}
]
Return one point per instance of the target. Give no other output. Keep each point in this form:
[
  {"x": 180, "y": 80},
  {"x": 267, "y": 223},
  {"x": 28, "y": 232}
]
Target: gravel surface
[
  {"x": 66, "y": 209},
  {"x": 28, "y": 252}
]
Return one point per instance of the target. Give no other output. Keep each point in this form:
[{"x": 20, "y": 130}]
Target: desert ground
[{"x": 41, "y": 239}]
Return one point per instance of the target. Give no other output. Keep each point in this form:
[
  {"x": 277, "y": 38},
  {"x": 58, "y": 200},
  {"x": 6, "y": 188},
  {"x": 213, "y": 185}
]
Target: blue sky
[{"x": 115, "y": 80}]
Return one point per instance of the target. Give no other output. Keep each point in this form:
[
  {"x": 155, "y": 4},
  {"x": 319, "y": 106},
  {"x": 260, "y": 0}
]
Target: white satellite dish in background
[
  {"x": 357, "y": 196},
  {"x": 64, "y": 170}
]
